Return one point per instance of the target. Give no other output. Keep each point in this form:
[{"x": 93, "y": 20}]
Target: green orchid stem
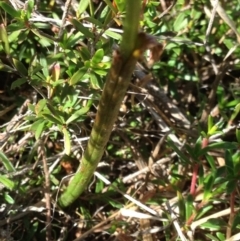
[{"x": 113, "y": 93}]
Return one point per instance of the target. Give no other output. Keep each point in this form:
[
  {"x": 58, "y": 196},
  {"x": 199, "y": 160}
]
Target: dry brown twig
[{"x": 47, "y": 190}]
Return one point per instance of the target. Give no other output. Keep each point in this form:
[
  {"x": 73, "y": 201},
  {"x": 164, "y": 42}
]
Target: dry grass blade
[
  {"x": 219, "y": 214},
  {"x": 235, "y": 237},
  {"x": 175, "y": 223},
  {"x": 222, "y": 13}
]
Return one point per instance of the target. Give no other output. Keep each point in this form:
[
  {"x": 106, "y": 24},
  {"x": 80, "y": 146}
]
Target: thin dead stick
[
  {"x": 133, "y": 202},
  {"x": 13, "y": 123},
  {"x": 235, "y": 237},
  {"x": 138, "y": 158},
  {"x": 7, "y": 109},
  {"x": 99, "y": 225},
  {"x": 147, "y": 169},
  {"x": 222, "y": 71},
  {"x": 211, "y": 97},
  {"x": 222, "y": 13},
  {"x": 42, "y": 155},
  {"x": 215, "y": 215},
  {"x": 175, "y": 223},
  {"x": 64, "y": 16},
  {"x": 131, "y": 199},
  {"x": 209, "y": 28},
  {"x": 166, "y": 11}
]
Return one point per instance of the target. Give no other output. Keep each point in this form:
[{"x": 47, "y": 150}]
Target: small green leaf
[
  {"x": 197, "y": 147},
  {"x": 87, "y": 64},
  {"x": 83, "y": 4},
  {"x": 52, "y": 119},
  {"x": 8, "y": 198},
  {"x": 67, "y": 141},
  {"x": 236, "y": 221},
  {"x": 71, "y": 41},
  {"x": 57, "y": 113},
  {"x": 113, "y": 35},
  {"x": 229, "y": 163},
  {"x": 78, "y": 113},
  {"x": 94, "y": 81},
  {"x": 189, "y": 206},
  {"x": 222, "y": 187},
  {"x": 6, "y": 68},
  {"x": 10, "y": 10},
  {"x": 101, "y": 72},
  {"x": 191, "y": 151},
  {"x": 222, "y": 236},
  {"x": 38, "y": 127},
  {"x": 235, "y": 112},
  {"x": 82, "y": 29},
  {"x": 231, "y": 186},
  {"x": 85, "y": 54},
  {"x": 14, "y": 35},
  {"x": 30, "y": 6},
  {"x": 211, "y": 237},
  {"x": 203, "y": 134},
  {"x": 210, "y": 122},
  {"x": 204, "y": 210},
  {"x": 4, "y": 39},
  {"x": 6, "y": 162},
  {"x": 238, "y": 135},
  {"x": 181, "y": 205},
  {"x": 40, "y": 106},
  {"x": 233, "y": 103},
  {"x": 94, "y": 21},
  {"x": 121, "y": 5},
  {"x": 99, "y": 186},
  {"x": 213, "y": 130},
  {"x": 37, "y": 33},
  {"x": 17, "y": 26},
  {"x": 7, "y": 182},
  {"x": 77, "y": 77},
  {"x": 20, "y": 67},
  {"x": 214, "y": 224},
  {"x": 18, "y": 83},
  {"x": 179, "y": 152},
  {"x": 180, "y": 22},
  {"x": 53, "y": 179},
  {"x": 219, "y": 145},
  {"x": 211, "y": 161},
  {"x": 208, "y": 186},
  {"x": 115, "y": 204},
  {"x": 110, "y": 5},
  {"x": 98, "y": 56},
  {"x": 56, "y": 72}
]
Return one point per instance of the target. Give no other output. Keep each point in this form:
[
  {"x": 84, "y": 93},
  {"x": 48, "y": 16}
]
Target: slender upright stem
[{"x": 115, "y": 88}]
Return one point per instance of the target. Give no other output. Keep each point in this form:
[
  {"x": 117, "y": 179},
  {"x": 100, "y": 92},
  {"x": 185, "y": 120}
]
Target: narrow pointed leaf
[
  {"x": 67, "y": 141},
  {"x": 20, "y": 67},
  {"x": 52, "y": 119},
  {"x": 77, "y": 77},
  {"x": 10, "y": 10},
  {"x": 83, "y": 4},
  {"x": 77, "y": 114},
  {"x": 6, "y": 162},
  {"x": 40, "y": 106},
  {"x": 98, "y": 56},
  {"x": 82, "y": 29},
  {"x": 7, "y": 182},
  {"x": 4, "y": 39}
]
